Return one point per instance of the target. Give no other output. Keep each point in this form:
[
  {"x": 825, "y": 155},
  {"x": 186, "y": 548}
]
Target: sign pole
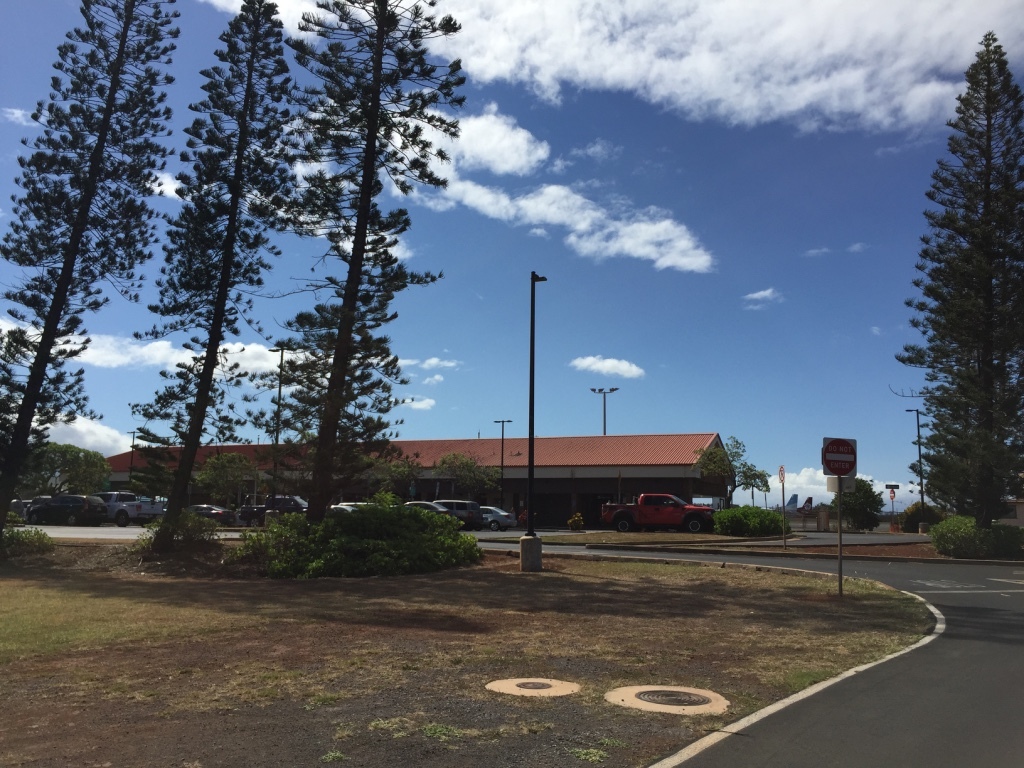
[
  {"x": 782, "y": 480},
  {"x": 839, "y": 529}
]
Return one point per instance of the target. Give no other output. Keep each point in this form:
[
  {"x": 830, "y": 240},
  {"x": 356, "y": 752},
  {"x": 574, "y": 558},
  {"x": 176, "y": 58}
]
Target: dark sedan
[
  {"x": 213, "y": 512},
  {"x": 69, "y": 510}
]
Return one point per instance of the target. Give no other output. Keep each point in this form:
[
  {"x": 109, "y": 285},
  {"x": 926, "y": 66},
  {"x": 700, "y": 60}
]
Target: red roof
[{"x": 595, "y": 451}]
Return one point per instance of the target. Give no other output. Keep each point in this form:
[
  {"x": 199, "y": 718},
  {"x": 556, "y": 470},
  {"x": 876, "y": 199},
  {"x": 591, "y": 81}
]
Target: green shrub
[
  {"x": 959, "y": 536},
  {"x": 190, "y": 531},
  {"x": 384, "y": 538},
  {"x": 26, "y": 541},
  {"x": 748, "y": 521},
  {"x": 13, "y": 518},
  {"x": 575, "y": 522},
  {"x": 918, "y": 513}
]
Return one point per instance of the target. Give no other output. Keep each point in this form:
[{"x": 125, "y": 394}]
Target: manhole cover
[
  {"x": 533, "y": 686},
  {"x": 673, "y": 698}
]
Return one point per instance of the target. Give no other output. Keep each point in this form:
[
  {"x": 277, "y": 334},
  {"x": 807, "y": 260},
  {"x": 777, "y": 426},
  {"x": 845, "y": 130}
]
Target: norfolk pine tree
[
  {"x": 214, "y": 260},
  {"x": 81, "y": 218},
  {"x": 972, "y": 298},
  {"x": 367, "y": 118}
]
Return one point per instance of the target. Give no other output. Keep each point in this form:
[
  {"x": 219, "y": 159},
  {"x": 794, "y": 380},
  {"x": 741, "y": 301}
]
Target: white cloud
[
  {"x": 599, "y": 150},
  {"x": 90, "y": 435},
  {"x": 649, "y": 234},
  {"x": 817, "y": 252},
  {"x": 166, "y": 185},
  {"x": 857, "y": 248},
  {"x": 761, "y": 299},
  {"x": 432, "y": 363},
  {"x": 17, "y": 116},
  {"x": 830, "y": 64},
  {"x": 608, "y": 367},
  {"x": 876, "y": 331},
  {"x": 435, "y": 379},
  {"x": 493, "y": 142},
  {"x": 419, "y": 403},
  {"x": 120, "y": 352}
]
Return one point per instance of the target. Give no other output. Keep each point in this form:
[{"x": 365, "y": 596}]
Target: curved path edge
[{"x": 710, "y": 740}]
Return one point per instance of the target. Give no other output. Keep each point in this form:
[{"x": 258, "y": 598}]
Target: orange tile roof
[{"x": 592, "y": 451}]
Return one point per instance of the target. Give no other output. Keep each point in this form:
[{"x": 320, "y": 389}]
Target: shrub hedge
[
  {"x": 384, "y": 538},
  {"x": 959, "y": 536},
  {"x": 748, "y": 521},
  {"x": 26, "y": 541}
]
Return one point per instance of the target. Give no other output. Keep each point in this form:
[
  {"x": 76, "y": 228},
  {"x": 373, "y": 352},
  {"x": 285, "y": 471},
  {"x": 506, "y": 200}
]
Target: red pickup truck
[{"x": 658, "y": 510}]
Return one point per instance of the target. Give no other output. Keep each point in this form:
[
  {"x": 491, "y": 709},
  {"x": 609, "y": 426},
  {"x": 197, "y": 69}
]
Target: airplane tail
[
  {"x": 808, "y": 506},
  {"x": 791, "y": 504}
]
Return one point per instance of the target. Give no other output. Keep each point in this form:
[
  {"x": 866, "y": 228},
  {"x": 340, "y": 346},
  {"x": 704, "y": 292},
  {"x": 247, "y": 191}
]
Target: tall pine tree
[
  {"x": 368, "y": 118},
  {"x": 81, "y": 220},
  {"x": 240, "y": 180},
  {"x": 972, "y": 298}
]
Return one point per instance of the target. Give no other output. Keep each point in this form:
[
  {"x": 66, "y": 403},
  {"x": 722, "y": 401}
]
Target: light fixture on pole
[
  {"x": 920, "y": 463},
  {"x": 501, "y": 488},
  {"x": 604, "y": 405}
]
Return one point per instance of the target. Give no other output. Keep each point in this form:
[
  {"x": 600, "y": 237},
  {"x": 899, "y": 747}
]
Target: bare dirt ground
[{"x": 386, "y": 672}]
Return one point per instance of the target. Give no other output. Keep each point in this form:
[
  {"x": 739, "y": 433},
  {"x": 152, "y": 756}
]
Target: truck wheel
[
  {"x": 624, "y": 524},
  {"x": 694, "y": 524},
  {"x": 72, "y": 519},
  {"x": 495, "y": 526},
  {"x": 121, "y": 519}
]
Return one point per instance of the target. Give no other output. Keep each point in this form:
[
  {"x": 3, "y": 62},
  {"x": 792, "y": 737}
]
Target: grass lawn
[{"x": 221, "y": 669}]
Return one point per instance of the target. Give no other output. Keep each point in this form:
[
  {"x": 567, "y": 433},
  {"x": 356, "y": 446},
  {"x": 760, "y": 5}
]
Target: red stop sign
[
  {"x": 839, "y": 456},
  {"x": 892, "y": 495}
]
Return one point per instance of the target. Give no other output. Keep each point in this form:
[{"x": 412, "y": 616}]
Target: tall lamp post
[
  {"x": 277, "y": 424},
  {"x": 604, "y": 405},
  {"x": 501, "y": 488},
  {"x": 529, "y": 545},
  {"x": 920, "y": 464},
  {"x": 131, "y": 459}
]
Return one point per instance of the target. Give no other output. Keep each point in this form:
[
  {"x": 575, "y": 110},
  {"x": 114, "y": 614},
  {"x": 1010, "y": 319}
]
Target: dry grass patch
[{"x": 395, "y": 669}]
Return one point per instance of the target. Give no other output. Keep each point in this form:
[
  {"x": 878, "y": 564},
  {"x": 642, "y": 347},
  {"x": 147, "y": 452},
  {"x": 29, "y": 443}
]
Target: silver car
[{"x": 498, "y": 519}]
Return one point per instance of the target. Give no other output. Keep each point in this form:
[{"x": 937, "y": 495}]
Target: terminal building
[{"x": 571, "y": 474}]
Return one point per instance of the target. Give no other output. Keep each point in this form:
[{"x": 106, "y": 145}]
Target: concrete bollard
[{"x": 530, "y": 554}]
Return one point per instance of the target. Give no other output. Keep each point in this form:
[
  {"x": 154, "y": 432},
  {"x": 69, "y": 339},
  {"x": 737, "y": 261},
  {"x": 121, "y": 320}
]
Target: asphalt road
[{"x": 955, "y": 701}]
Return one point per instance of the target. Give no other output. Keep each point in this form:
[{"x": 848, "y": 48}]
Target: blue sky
[{"x": 726, "y": 197}]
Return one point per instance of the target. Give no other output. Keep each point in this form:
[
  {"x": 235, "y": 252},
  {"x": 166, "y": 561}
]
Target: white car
[{"x": 498, "y": 519}]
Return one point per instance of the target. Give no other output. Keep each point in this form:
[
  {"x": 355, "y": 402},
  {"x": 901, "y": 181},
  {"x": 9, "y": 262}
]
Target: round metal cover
[
  {"x": 533, "y": 686},
  {"x": 674, "y": 698}
]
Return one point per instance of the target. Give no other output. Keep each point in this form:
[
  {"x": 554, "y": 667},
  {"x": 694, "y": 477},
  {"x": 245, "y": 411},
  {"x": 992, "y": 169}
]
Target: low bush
[
  {"x": 918, "y": 513},
  {"x": 383, "y": 538},
  {"x": 26, "y": 541},
  {"x": 748, "y": 521},
  {"x": 959, "y": 536},
  {"x": 190, "y": 531},
  {"x": 575, "y": 522}
]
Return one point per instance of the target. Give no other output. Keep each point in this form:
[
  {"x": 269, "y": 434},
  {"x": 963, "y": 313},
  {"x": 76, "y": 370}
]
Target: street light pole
[
  {"x": 534, "y": 279},
  {"x": 277, "y": 425},
  {"x": 131, "y": 459},
  {"x": 604, "y": 405},
  {"x": 501, "y": 488},
  {"x": 920, "y": 463}
]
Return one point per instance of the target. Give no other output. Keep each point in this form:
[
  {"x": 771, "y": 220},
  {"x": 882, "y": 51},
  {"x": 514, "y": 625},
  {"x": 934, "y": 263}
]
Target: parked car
[
  {"x": 467, "y": 511},
  {"x": 497, "y": 519},
  {"x": 211, "y": 511},
  {"x": 254, "y": 514},
  {"x": 431, "y": 506},
  {"x": 125, "y": 508},
  {"x": 69, "y": 509}
]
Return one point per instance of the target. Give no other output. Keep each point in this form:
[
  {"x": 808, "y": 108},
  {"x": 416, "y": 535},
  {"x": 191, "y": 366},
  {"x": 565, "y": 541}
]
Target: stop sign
[{"x": 839, "y": 456}]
